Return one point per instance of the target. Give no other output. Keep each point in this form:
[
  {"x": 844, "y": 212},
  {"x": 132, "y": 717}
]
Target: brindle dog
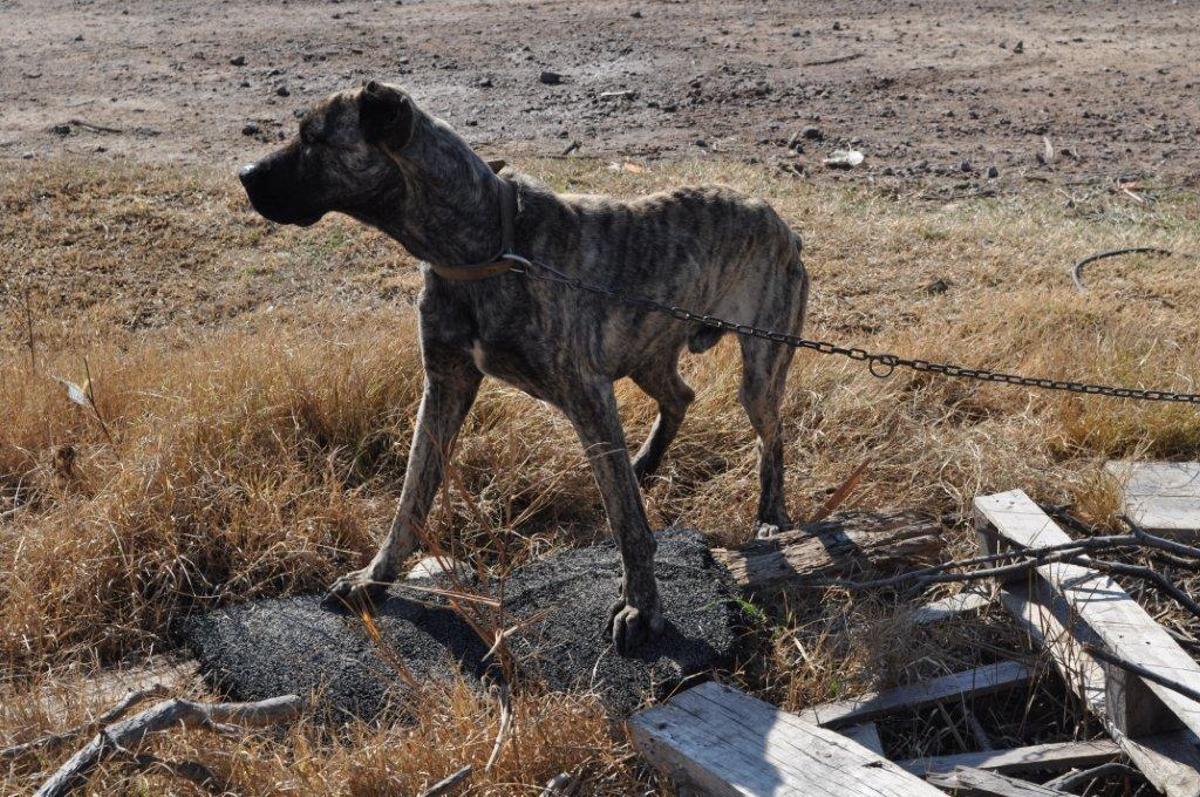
[{"x": 372, "y": 154}]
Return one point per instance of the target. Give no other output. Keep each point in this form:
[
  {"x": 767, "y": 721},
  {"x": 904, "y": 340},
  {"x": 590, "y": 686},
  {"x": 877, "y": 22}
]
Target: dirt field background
[
  {"x": 258, "y": 383},
  {"x": 922, "y": 89}
]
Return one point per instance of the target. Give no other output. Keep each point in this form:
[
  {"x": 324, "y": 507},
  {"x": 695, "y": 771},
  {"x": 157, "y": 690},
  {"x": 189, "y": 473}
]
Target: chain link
[{"x": 881, "y": 365}]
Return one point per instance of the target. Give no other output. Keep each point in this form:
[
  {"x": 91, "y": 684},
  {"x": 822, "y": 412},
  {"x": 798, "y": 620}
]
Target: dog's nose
[{"x": 249, "y": 173}]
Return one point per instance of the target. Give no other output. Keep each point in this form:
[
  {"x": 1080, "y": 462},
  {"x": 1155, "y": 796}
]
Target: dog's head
[{"x": 343, "y": 159}]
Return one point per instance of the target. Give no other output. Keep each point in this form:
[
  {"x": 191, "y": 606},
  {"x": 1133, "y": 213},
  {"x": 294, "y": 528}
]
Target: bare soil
[{"x": 936, "y": 89}]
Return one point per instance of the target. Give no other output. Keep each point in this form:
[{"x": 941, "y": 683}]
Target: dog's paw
[
  {"x": 357, "y": 590},
  {"x": 630, "y": 626}
]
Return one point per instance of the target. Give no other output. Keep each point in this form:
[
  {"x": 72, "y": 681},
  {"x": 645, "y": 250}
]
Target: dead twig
[
  {"x": 1072, "y": 780},
  {"x": 94, "y": 127},
  {"x": 447, "y": 783},
  {"x": 126, "y": 735},
  {"x": 842, "y": 492},
  {"x": 504, "y": 697},
  {"x": 1140, "y": 671},
  {"x": 841, "y": 59},
  {"x": 54, "y": 741}
]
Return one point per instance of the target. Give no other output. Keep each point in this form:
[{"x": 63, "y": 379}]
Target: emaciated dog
[{"x": 372, "y": 154}]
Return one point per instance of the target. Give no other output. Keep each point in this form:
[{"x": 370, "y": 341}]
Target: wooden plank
[
  {"x": 841, "y": 545},
  {"x": 724, "y": 742},
  {"x": 968, "y": 782},
  {"x": 1035, "y": 758},
  {"x": 965, "y": 602},
  {"x": 1116, "y": 619},
  {"x": 1161, "y": 496},
  {"x": 1169, "y": 760},
  {"x": 866, "y": 734},
  {"x": 979, "y": 681}
]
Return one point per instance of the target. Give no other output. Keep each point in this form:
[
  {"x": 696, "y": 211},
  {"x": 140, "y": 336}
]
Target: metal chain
[{"x": 880, "y": 365}]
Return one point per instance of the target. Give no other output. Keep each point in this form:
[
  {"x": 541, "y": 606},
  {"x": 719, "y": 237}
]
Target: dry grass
[{"x": 259, "y": 384}]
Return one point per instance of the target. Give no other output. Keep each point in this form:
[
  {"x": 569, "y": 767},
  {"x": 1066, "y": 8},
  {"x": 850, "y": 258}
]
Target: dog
[{"x": 373, "y": 154}]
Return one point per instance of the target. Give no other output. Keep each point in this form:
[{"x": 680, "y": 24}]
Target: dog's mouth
[{"x": 281, "y": 215}]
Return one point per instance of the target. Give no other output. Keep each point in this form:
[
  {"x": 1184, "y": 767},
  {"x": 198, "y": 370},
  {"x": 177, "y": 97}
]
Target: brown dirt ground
[{"x": 925, "y": 87}]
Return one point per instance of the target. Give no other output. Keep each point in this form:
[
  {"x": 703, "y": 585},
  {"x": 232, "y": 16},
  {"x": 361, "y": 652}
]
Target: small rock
[
  {"x": 283, "y": 91},
  {"x": 993, "y": 173},
  {"x": 966, "y": 167},
  {"x": 550, "y": 78},
  {"x": 486, "y": 83},
  {"x": 938, "y": 286},
  {"x": 245, "y": 84},
  {"x": 844, "y": 159},
  {"x": 813, "y": 134},
  {"x": 251, "y": 129},
  {"x": 238, "y": 60},
  {"x": 61, "y": 130},
  {"x": 636, "y": 15},
  {"x": 79, "y": 38},
  {"x": 837, "y": 26},
  {"x": 701, "y": 142},
  {"x": 1020, "y": 48}
]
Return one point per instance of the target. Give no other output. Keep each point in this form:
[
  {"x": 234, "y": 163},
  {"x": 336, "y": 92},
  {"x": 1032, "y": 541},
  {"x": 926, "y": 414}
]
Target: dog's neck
[{"x": 445, "y": 208}]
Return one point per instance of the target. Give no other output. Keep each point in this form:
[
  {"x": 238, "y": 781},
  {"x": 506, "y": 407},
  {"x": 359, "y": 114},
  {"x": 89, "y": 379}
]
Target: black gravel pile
[{"x": 269, "y": 647}]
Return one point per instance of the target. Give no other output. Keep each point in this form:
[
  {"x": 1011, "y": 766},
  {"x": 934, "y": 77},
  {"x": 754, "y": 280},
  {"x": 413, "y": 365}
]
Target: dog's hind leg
[
  {"x": 451, "y": 384},
  {"x": 664, "y": 385},
  {"x": 764, "y": 374},
  {"x": 592, "y": 410}
]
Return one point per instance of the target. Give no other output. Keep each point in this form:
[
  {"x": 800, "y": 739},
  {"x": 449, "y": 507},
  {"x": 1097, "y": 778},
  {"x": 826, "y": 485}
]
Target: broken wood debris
[
  {"x": 841, "y": 545},
  {"x": 1033, "y": 758},
  {"x": 974, "y": 683},
  {"x": 724, "y": 742},
  {"x": 125, "y": 736},
  {"x": 967, "y": 781},
  {"x": 1067, "y": 607},
  {"x": 1162, "y": 497}
]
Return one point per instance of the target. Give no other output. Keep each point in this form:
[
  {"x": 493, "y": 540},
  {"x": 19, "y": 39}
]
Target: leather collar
[{"x": 501, "y": 262}]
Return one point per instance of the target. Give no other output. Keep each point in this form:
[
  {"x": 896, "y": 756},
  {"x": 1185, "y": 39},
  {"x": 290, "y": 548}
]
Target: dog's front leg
[
  {"x": 451, "y": 384},
  {"x": 592, "y": 409}
]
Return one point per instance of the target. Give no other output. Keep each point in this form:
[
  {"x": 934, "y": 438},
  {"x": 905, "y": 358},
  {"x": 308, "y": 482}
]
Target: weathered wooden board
[
  {"x": 1169, "y": 760},
  {"x": 1161, "y": 496},
  {"x": 965, "y": 602},
  {"x": 866, "y": 734},
  {"x": 724, "y": 742},
  {"x": 841, "y": 545},
  {"x": 1116, "y": 619},
  {"x": 979, "y": 681},
  {"x": 1035, "y": 758},
  {"x": 968, "y": 782}
]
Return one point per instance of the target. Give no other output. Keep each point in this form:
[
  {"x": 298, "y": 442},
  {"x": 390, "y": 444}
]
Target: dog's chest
[{"x": 522, "y": 365}]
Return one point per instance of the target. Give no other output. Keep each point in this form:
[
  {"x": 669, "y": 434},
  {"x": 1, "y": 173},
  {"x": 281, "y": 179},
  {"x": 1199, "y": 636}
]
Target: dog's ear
[{"x": 386, "y": 116}]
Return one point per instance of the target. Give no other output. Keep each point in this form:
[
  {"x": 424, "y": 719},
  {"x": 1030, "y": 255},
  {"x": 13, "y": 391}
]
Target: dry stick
[
  {"x": 841, "y": 59},
  {"x": 841, "y": 493},
  {"x": 94, "y": 127},
  {"x": 1072, "y": 780},
  {"x": 1143, "y": 672},
  {"x": 126, "y": 735},
  {"x": 448, "y": 783},
  {"x": 53, "y": 741},
  {"x": 936, "y": 574},
  {"x": 504, "y": 695},
  {"x": 1189, "y": 554}
]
